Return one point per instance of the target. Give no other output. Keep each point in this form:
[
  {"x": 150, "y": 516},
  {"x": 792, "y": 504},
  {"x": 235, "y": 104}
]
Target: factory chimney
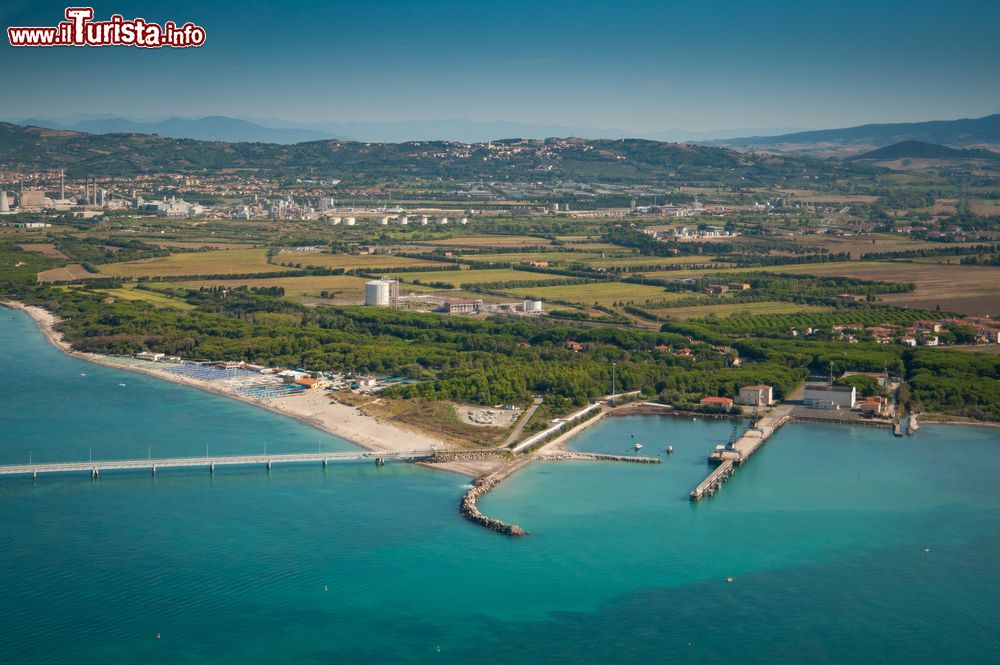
[
  {"x": 62, "y": 185},
  {"x": 4, "y": 205}
]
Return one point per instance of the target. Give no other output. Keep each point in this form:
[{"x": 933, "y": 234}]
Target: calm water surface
[{"x": 844, "y": 543}]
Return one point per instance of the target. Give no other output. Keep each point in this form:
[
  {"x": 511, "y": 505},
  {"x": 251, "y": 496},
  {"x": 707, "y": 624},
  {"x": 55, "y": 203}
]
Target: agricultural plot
[
  {"x": 156, "y": 299},
  {"x": 345, "y": 289},
  {"x": 602, "y": 293},
  {"x": 869, "y": 244},
  {"x": 220, "y": 262},
  {"x": 490, "y": 241},
  {"x": 184, "y": 244},
  {"x": 458, "y": 277},
  {"x": 722, "y": 310},
  {"x": 631, "y": 261},
  {"x": 956, "y": 288},
  {"x": 43, "y": 248},
  {"x": 557, "y": 258},
  {"x": 67, "y": 273},
  {"x": 353, "y": 261}
]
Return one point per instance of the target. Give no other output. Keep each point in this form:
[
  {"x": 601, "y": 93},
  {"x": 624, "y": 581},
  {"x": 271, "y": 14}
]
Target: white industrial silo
[
  {"x": 377, "y": 293},
  {"x": 350, "y": 221}
]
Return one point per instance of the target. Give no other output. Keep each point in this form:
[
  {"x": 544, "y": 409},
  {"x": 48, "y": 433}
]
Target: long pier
[
  {"x": 96, "y": 467},
  {"x": 739, "y": 452}
]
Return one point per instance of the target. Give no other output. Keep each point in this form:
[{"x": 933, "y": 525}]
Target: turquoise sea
[{"x": 845, "y": 544}]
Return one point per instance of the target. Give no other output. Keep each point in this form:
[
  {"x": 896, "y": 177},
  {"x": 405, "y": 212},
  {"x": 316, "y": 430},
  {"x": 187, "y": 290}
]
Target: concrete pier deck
[
  {"x": 740, "y": 451},
  {"x": 96, "y": 467}
]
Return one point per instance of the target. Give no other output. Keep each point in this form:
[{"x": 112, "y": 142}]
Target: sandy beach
[{"x": 310, "y": 406}]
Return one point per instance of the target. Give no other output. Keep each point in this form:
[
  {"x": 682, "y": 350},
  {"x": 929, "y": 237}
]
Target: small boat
[
  {"x": 638, "y": 446},
  {"x": 122, "y": 385},
  {"x": 83, "y": 374},
  {"x": 670, "y": 450},
  {"x": 729, "y": 579}
]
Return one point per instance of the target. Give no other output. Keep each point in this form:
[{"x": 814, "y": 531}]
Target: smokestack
[
  {"x": 62, "y": 185},
  {"x": 4, "y": 205}
]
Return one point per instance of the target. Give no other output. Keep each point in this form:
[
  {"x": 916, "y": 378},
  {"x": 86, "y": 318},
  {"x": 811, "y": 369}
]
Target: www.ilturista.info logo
[{"x": 79, "y": 29}]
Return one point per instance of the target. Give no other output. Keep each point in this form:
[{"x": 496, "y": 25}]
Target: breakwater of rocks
[
  {"x": 603, "y": 457},
  {"x": 469, "y": 506}
]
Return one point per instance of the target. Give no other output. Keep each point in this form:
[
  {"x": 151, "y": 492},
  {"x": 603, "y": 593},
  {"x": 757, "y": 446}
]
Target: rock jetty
[{"x": 469, "y": 506}]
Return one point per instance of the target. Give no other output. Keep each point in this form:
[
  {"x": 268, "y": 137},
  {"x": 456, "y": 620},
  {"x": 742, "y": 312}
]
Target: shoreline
[{"x": 311, "y": 407}]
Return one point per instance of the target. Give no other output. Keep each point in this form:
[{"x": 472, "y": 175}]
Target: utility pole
[{"x": 614, "y": 368}]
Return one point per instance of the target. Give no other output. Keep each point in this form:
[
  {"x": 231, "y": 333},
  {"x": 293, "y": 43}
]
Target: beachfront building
[
  {"x": 756, "y": 395},
  {"x": 823, "y": 396}
]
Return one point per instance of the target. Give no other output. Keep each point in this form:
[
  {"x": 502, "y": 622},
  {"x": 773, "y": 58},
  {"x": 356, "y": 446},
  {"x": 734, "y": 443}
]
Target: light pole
[{"x": 614, "y": 372}]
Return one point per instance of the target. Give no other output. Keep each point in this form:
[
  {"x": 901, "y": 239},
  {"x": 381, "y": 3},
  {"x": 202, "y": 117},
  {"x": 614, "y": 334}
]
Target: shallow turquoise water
[{"x": 824, "y": 532}]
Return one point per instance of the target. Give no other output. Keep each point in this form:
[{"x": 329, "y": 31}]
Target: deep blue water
[{"x": 824, "y": 533}]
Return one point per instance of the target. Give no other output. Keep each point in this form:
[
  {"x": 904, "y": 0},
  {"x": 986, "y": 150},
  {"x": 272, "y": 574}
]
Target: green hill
[
  {"x": 630, "y": 160},
  {"x": 923, "y": 150}
]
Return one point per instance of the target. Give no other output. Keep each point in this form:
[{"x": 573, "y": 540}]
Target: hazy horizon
[{"x": 633, "y": 67}]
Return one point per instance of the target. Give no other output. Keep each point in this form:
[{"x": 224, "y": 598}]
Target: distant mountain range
[
  {"x": 963, "y": 132},
  {"x": 211, "y": 128},
  {"x": 923, "y": 150},
  {"x": 273, "y": 130}
]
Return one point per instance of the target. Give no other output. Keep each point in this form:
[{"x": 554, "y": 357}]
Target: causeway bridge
[{"x": 95, "y": 467}]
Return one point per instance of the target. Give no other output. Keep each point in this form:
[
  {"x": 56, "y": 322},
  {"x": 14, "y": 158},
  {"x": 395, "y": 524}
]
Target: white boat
[
  {"x": 670, "y": 450},
  {"x": 638, "y": 446}
]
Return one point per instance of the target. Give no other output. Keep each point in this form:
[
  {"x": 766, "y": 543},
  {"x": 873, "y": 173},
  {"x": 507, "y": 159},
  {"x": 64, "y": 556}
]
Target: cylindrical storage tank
[
  {"x": 465, "y": 220},
  {"x": 423, "y": 220},
  {"x": 404, "y": 220},
  {"x": 350, "y": 221},
  {"x": 443, "y": 220},
  {"x": 336, "y": 221},
  {"x": 377, "y": 293},
  {"x": 384, "y": 221}
]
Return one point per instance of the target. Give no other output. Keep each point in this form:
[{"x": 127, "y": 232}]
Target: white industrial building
[
  {"x": 532, "y": 306},
  {"x": 823, "y": 396},
  {"x": 382, "y": 293},
  {"x": 756, "y": 395}
]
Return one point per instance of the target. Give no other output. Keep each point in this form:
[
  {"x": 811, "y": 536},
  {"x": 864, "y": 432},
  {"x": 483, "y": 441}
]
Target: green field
[
  {"x": 561, "y": 258},
  {"x": 352, "y": 261},
  {"x": 602, "y": 293},
  {"x": 627, "y": 261},
  {"x": 222, "y": 262},
  {"x": 490, "y": 241},
  {"x": 458, "y": 277},
  {"x": 157, "y": 299},
  {"x": 739, "y": 309},
  {"x": 346, "y": 287}
]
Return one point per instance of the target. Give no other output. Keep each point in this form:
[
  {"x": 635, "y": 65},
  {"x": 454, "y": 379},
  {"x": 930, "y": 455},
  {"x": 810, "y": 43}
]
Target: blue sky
[{"x": 636, "y": 66}]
